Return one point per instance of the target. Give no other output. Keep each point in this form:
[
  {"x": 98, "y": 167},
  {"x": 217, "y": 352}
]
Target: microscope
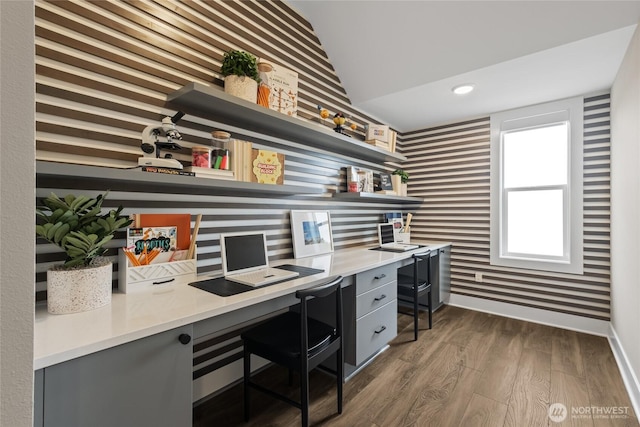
[{"x": 157, "y": 138}]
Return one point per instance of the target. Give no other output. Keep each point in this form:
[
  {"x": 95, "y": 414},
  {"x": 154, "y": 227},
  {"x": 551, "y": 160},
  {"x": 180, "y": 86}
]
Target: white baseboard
[
  {"x": 530, "y": 314},
  {"x": 628, "y": 375}
]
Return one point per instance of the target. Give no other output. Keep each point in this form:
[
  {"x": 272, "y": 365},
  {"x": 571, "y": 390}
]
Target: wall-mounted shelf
[
  {"x": 102, "y": 178},
  {"x": 374, "y": 197},
  {"x": 238, "y": 112}
]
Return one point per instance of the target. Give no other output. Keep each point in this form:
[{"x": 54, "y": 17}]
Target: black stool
[{"x": 412, "y": 287}]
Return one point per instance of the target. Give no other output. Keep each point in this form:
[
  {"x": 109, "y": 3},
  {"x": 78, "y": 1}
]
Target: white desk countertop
[{"x": 59, "y": 338}]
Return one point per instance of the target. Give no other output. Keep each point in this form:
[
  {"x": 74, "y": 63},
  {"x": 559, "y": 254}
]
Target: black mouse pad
[{"x": 225, "y": 288}]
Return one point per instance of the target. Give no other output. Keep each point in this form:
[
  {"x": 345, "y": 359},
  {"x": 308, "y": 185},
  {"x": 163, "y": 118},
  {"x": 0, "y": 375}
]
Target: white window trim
[{"x": 536, "y": 115}]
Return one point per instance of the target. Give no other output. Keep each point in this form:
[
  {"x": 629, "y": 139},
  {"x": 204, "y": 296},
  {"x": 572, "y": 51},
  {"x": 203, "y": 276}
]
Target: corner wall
[
  {"x": 17, "y": 216},
  {"x": 449, "y": 167},
  {"x": 625, "y": 215}
]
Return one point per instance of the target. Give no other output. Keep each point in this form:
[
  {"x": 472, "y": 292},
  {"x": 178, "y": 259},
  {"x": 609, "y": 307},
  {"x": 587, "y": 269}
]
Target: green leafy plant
[
  {"x": 77, "y": 225},
  {"x": 404, "y": 176},
  {"x": 240, "y": 63}
]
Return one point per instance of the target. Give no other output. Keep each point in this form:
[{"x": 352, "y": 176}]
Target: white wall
[
  {"x": 625, "y": 211},
  {"x": 17, "y": 203}
]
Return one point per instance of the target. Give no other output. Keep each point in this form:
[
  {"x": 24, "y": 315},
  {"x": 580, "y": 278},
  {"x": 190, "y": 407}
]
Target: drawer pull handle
[
  {"x": 380, "y": 298},
  {"x": 184, "y": 339},
  {"x": 381, "y": 330},
  {"x": 163, "y": 281},
  {"x": 382, "y": 276}
]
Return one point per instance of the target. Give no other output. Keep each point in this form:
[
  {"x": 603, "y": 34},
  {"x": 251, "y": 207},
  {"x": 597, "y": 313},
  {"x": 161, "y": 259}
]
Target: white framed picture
[{"x": 311, "y": 232}]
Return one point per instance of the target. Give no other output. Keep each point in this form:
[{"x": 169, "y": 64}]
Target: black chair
[
  {"x": 299, "y": 343},
  {"x": 412, "y": 287}
]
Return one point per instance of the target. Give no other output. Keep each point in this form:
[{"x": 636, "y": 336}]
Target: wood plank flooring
[{"x": 471, "y": 369}]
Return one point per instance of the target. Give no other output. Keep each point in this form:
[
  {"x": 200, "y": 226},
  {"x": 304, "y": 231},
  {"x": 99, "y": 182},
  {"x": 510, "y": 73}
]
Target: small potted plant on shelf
[
  {"x": 399, "y": 180},
  {"x": 240, "y": 71},
  {"x": 78, "y": 226}
]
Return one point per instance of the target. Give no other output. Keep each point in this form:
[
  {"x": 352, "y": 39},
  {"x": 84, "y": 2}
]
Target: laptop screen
[
  {"x": 243, "y": 251},
  {"x": 385, "y": 233}
]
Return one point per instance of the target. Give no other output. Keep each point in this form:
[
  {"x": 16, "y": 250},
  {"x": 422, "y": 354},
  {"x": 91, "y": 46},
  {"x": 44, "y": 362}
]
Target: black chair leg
[
  {"x": 304, "y": 398},
  {"x": 416, "y": 313},
  {"x": 339, "y": 379},
  {"x": 247, "y": 377},
  {"x": 430, "y": 310}
]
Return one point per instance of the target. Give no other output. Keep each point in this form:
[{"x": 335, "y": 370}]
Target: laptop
[
  {"x": 245, "y": 260},
  {"x": 387, "y": 239}
]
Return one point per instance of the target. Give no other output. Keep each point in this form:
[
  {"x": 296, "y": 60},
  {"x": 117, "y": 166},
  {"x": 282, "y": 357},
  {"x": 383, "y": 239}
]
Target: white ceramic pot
[
  {"x": 243, "y": 87},
  {"x": 396, "y": 184},
  {"x": 76, "y": 290}
]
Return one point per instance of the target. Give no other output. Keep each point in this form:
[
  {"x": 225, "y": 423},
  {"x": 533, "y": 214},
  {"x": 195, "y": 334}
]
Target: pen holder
[
  {"x": 404, "y": 238},
  {"x": 141, "y": 277}
]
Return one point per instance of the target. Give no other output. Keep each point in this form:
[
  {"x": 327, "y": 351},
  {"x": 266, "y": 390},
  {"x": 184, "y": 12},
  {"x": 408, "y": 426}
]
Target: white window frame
[{"x": 570, "y": 110}]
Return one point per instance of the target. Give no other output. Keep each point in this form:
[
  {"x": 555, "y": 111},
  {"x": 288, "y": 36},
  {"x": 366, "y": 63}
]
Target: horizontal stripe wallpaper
[{"x": 449, "y": 166}]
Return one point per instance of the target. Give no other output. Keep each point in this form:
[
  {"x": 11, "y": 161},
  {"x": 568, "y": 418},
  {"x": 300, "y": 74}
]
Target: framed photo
[
  {"x": 311, "y": 232},
  {"x": 385, "y": 181}
]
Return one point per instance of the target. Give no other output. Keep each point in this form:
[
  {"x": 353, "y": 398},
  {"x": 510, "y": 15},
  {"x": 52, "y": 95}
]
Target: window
[{"x": 536, "y": 187}]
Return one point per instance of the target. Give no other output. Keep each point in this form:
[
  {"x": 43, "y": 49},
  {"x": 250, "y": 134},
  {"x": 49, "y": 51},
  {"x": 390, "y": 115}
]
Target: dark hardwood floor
[{"x": 471, "y": 369}]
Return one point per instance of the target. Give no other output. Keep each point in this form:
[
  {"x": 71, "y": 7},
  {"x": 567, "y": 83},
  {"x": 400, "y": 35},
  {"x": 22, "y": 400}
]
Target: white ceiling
[{"x": 398, "y": 60}]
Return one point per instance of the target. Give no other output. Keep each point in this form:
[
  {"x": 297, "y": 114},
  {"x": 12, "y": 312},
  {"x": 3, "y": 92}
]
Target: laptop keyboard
[{"x": 261, "y": 277}]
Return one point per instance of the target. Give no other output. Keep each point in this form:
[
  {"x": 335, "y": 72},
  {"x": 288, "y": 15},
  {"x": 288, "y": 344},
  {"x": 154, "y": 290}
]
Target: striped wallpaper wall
[
  {"x": 449, "y": 166},
  {"x": 104, "y": 70}
]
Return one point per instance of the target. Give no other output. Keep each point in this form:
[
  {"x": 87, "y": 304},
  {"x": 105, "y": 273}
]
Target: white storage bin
[{"x": 132, "y": 279}]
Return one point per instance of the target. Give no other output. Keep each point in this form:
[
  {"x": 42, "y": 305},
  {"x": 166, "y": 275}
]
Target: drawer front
[
  {"x": 375, "y": 277},
  {"x": 375, "y": 330},
  {"x": 376, "y": 298}
]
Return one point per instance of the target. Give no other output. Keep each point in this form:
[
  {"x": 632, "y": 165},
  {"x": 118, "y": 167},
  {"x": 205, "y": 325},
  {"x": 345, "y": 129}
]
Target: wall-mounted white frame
[{"x": 311, "y": 233}]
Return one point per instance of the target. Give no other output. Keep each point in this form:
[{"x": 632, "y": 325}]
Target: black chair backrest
[
  {"x": 417, "y": 258},
  {"x": 322, "y": 291}
]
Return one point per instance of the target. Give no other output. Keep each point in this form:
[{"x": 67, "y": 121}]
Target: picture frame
[
  {"x": 385, "y": 181},
  {"x": 311, "y": 233}
]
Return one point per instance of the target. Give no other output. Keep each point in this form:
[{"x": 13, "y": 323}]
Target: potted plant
[
  {"x": 399, "y": 180},
  {"x": 78, "y": 226},
  {"x": 240, "y": 71}
]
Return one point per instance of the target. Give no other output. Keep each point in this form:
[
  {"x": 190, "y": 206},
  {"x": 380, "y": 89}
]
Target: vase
[
  {"x": 403, "y": 186},
  {"x": 396, "y": 184},
  {"x": 77, "y": 290},
  {"x": 242, "y": 86}
]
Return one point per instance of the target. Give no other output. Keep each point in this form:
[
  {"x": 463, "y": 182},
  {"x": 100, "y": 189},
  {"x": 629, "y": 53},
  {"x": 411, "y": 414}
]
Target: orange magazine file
[{"x": 182, "y": 221}]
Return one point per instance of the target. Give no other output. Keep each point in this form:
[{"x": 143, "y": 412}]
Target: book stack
[{"x": 210, "y": 172}]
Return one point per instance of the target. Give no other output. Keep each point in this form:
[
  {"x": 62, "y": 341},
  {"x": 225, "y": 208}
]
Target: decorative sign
[
  {"x": 283, "y": 89},
  {"x": 267, "y": 167}
]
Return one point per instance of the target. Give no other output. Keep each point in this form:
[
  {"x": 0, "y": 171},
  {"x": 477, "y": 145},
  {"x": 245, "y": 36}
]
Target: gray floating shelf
[
  {"x": 374, "y": 197},
  {"x": 218, "y": 105},
  {"x": 137, "y": 180}
]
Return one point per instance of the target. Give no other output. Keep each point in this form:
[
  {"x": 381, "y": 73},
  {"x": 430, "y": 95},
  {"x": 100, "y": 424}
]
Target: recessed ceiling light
[{"x": 462, "y": 89}]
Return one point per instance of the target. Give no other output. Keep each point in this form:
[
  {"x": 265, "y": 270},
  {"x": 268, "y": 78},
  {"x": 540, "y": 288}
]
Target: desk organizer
[
  {"x": 403, "y": 237},
  {"x": 132, "y": 279}
]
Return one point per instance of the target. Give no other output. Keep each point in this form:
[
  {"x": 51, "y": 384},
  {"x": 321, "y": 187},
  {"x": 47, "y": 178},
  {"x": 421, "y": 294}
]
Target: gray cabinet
[
  {"x": 146, "y": 382},
  {"x": 375, "y": 317}
]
